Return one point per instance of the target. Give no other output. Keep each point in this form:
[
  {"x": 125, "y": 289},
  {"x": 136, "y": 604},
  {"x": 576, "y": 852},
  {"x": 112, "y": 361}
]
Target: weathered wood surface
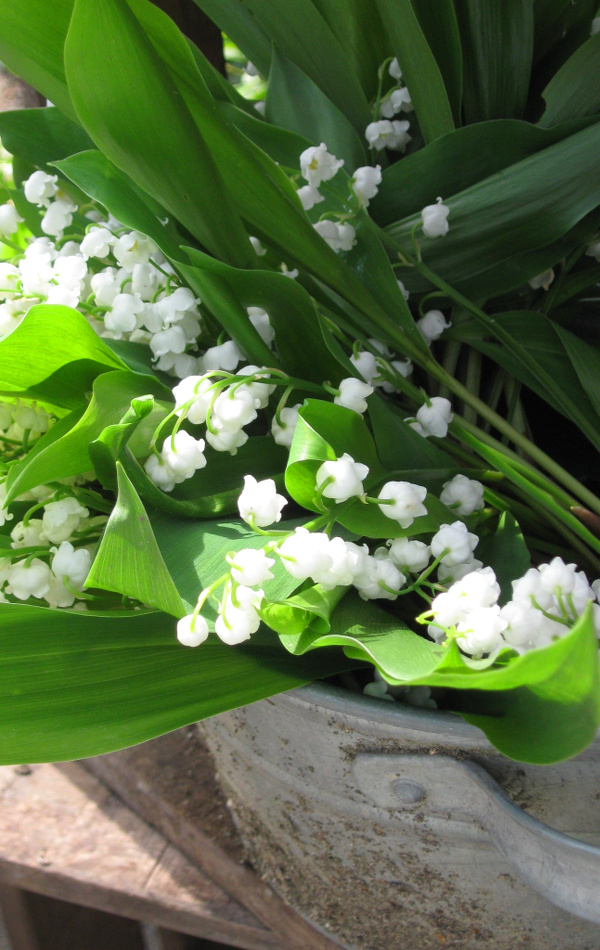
[
  {"x": 65, "y": 835},
  {"x": 170, "y": 783}
]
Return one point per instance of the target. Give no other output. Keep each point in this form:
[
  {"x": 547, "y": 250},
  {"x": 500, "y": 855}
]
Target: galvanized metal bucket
[{"x": 396, "y": 827}]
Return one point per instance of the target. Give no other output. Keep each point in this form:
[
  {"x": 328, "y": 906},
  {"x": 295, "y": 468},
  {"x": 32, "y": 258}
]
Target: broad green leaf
[
  {"x": 517, "y": 210},
  {"x": 437, "y": 19},
  {"x": 398, "y": 443},
  {"x": 542, "y": 706},
  {"x": 151, "y": 136},
  {"x": 359, "y": 29},
  {"x": 283, "y": 146},
  {"x": 54, "y": 355},
  {"x": 32, "y": 34},
  {"x": 217, "y": 294},
  {"x": 312, "y": 606},
  {"x": 214, "y": 490},
  {"x": 292, "y": 315},
  {"x": 369, "y": 521},
  {"x": 218, "y": 85},
  {"x": 575, "y": 89},
  {"x": 305, "y": 38},
  {"x": 70, "y": 455},
  {"x": 506, "y": 552},
  {"x": 585, "y": 360},
  {"x": 497, "y": 44},
  {"x": 239, "y": 23},
  {"x": 419, "y": 67},
  {"x": 294, "y": 102},
  {"x": 261, "y": 191},
  {"x": 324, "y": 432},
  {"x": 194, "y": 552},
  {"x": 41, "y": 136},
  {"x": 560, "y": 27},
  {"x": 515, "y": 271},
  {"x": 128, "y": 560},
  {"x": 75, "y": 685},
  {"x": 96, "y": 175},
  {"x": 552, "y": 376},
  {"x": 458, "y": 160}
]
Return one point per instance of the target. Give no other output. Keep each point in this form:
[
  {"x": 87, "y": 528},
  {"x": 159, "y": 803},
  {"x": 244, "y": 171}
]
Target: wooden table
[{"x": 143, "y": 834}]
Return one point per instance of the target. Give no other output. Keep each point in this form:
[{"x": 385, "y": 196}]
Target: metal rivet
[{"x": 408, "y": 793}]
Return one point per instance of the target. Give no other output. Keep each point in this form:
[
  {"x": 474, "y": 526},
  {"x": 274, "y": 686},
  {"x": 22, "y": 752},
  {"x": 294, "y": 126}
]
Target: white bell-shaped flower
[
  {"x": 199, "y": 388},
  {"x": 341, "y": 479},
  {"x": 318, "y": 165},
  {"x": 27, "y": 580},
  {"x": 250, "y": 566},
  {"x": 305, "y": 554},
  {"x": 481, "y": 631},
  {"x": 365, "y": 183},
  {"x": 309, "y": 196},
  {"x": 464, "y": 495},
  {"x": 366, "y": 364},
  {"x": 61, "y": 518},
  {"x": 406, "y": 502},
  {"x": 353, "y": 394},
  {"x": 283, "y": 430},
  {"x": 409, "y": 556},
  {"x": 224, "y": 356},
  {"x": 40, "y": 188},
  {"x": 435, "y": 219},
  {"x": 59, "y": 215},
  {"x": 71, "y": 564},
  {"x": 435, "y": 417},
  {"x": 9, "y": 219},
  {"x": 259, "y": 319},
  {"x": 454, "y": 543},
  {"x": 432, "y": 325},
  {"x": 168, "y": 341},
  {"x": 386, "y": 133},
  {"x": 259, "y": 502},
  {"x": 184, "y": 454},
  {"x": 340, "y": 237},
  {"x": 192, "y": 630},
  {"x": 97, "y": 242}
]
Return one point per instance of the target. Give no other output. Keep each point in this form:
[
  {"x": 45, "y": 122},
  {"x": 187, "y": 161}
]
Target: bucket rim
[{"x": 438, "y": 722}]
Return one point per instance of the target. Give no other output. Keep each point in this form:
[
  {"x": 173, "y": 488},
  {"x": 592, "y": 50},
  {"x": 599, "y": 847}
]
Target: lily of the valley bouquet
[{"x": 300, "y": 388}]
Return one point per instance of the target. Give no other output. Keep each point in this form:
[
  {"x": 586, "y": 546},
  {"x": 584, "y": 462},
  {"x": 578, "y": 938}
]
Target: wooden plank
[
  {"x": 17, "y": 919},
  {"x": 170, "y": 782},
  {"x": 65, "y": 835}
]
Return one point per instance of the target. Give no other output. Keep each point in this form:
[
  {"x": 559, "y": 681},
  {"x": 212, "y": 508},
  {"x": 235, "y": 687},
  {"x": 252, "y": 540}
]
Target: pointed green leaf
[
  {"x": 96, "y": 175},
  {"x": 32, "y": 34},
  {"x": 31, "y": 362},
  {"x": 41, "y": 136},
  {"x": 74, "y": 685},
  {"x": 497, "y": 43},
  {"x": 70, "y": 455},
  {"x": 150, "y": 136},
  {"x": 575, "y": 89},
  {"x": 294, "y": 102},
  {"x": 128, "y": 560},
  {"x": 419, "y": 68}
]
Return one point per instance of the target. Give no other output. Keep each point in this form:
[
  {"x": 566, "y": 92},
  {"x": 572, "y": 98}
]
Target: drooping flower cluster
[{"x": 546, "y": 602}]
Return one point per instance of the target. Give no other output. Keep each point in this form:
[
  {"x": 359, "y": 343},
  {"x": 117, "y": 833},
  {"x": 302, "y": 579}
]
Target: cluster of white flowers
[
  {"x": 51, "y": 559},
  {"x": 116, "y": 277},
  {"x": 20, "y": 416},
  {"x": 545, "y": 604},
  {"x": 329, "y": 562},
  {"x": 226, "y": 406}
]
